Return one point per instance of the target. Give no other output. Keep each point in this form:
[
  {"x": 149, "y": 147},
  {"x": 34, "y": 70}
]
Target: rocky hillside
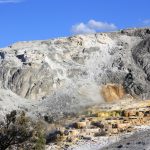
[{"x": 62, "y": 74}]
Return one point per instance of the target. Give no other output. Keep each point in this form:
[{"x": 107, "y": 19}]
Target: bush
[
  {"x": 40, "y": 134},
  {"x": 19, "y": 131}
]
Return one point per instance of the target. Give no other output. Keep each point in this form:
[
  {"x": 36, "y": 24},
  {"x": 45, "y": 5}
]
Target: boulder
[
  {"x": 129, "y": 113},
  {"x": 80, "y": 125},
  {"x": 140, "y": 114},
  {"x": 123, "y": 126},
  {"x": 114, "y": 131}
]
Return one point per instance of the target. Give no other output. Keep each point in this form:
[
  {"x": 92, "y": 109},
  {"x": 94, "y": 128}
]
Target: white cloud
[
  {"x": 82, "y": 28},
  {"x": 10, "y": 1},
  {"x": 92, "y": 26},
  {"x": 101, "y": 25},
  {"x": 146, "y": 22}
]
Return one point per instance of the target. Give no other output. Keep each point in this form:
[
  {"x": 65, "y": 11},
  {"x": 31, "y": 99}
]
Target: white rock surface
[
  {"x": 136, "y": 140},
  {"x": 65, "y": 74}
]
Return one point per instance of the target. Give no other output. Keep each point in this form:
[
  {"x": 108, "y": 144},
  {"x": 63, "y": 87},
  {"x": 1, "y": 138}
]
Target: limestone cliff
[{"x": 69, "y": 70}]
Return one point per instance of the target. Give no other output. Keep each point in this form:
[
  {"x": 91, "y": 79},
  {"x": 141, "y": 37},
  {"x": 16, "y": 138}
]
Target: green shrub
[{"x": 20, "y": 131}]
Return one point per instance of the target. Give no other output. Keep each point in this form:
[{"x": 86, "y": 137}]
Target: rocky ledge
[{"x": 99, "y": 121}]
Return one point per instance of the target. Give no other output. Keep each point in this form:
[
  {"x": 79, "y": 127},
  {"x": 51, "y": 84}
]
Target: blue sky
[{"x": 24, "y": 20}]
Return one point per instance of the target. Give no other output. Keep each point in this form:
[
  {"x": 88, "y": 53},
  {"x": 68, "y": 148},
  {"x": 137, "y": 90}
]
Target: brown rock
[
  {"x": 140, "y": 114},
  {"x": 112, "y": 92},
  {"x": 132, "y": 113},
  {"x": 114, "y": 131},
  {"x": 123, "y": 126},
  {"x": 94, "y": 130},
  {"x": 125, "y": 113},
  {"x": 129, "y": 112},
  {"x": 80, "y": 125}
]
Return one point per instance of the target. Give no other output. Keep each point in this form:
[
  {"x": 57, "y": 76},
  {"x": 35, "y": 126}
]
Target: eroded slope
[{"x": 67, "y": 73}]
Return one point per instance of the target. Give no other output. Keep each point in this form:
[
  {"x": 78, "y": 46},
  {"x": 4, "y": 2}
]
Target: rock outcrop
[
  {"x": 65, "y": 73},
  {"x": 113, "y": 92},
  {"x": 101, "y": 122}
]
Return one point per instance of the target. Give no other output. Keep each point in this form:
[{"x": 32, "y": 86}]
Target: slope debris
[{"x": 101, "y": 122}]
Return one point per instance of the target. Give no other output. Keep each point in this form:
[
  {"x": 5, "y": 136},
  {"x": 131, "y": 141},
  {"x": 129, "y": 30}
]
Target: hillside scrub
[{"x": 19, "y": 131}]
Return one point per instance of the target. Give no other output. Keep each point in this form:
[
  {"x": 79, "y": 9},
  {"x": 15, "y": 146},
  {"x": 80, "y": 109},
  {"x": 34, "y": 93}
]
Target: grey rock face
[
  {"x": 141, "y": 55},
  {"x": 76, "y": 67}
]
